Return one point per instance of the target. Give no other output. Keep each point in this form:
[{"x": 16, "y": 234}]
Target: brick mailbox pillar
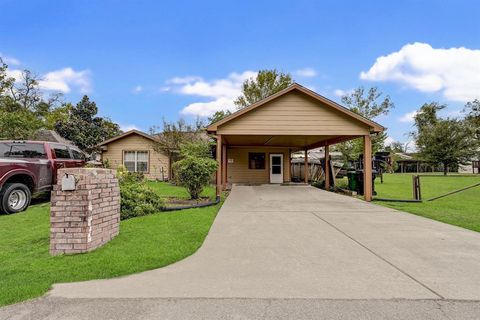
[{"x": 85, "y": 210}]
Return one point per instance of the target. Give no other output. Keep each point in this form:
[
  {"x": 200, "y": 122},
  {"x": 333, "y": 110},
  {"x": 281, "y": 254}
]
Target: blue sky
[{"x": 142, "y": 61}]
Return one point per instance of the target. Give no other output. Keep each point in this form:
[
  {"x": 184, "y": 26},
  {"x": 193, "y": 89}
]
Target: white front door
[{"x": 276, "y": 168}]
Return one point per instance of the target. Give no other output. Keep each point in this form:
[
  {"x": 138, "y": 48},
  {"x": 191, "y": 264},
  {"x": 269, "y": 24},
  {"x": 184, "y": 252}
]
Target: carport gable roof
[{"x": 374, "y": 127}]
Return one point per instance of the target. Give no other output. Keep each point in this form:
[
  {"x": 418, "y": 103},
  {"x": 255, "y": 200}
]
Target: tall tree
[
  {"x": 443, "y": 141},
  {"x": 172, "y": 135},
  {"x": 369, "y": 104},
  {"x": 266, "y": 83},
  {"x": 26, "y": 91},
  {"x": 6, "y": 81},
  {"x": 218, "y": 115},
  {"x": 472, "y": 109},
  {"x": 19, "y": 125},
  {"x": 84, "y": 128}
]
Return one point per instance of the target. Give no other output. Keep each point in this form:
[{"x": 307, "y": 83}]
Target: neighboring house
[
  {"x": 136, "y": 151},
  {"x": 50, "y": 136},
  {"x": 254, "y": 144}
]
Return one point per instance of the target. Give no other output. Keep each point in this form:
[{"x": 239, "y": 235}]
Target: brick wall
[{"x": 88, "y": 217}]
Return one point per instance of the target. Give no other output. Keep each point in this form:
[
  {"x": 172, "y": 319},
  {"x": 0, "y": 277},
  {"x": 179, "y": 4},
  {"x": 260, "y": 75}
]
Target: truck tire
[{"x": 14, "y": 197}]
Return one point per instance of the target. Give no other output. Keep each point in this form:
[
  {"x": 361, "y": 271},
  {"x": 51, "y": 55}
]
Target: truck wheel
[{"x": 15, "y": 197}]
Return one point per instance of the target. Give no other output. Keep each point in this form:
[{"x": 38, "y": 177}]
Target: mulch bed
[{"x": 176, "y": 202}]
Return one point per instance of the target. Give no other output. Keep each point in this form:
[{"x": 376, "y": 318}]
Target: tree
[
  {"x": 218, "y": 115},
  {"x": 428, "y": 115},
  {"x": 370, "y": 105},
  {"x": 266, "y": 83},
  {"x": 443, "y": 141},
  {"x": 396, "y": 147},
  {"x": 196, "y": 167},
  {"x": 6, "y": 82},
  {"x": 20, "y": 125},
  {"x": 84, "y": 128},
  {"x": 175, "y": 134},
  {"x": 26, "y": 92},
  {"x": 472, "y": 109}
]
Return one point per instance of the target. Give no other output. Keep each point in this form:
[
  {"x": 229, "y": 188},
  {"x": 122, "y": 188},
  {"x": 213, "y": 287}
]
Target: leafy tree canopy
[
  {"x": 369, "y": 104},
  {"x": 472, "y": 110},
  {"x": 218, "y": 115},
  {"x": 444, "y": 141},
  {"x": 84, "y": 128},
  {"x": 266, "y": 83},
  {"x": 24, "y": 109},
  {"x": 174, "y": 134}
]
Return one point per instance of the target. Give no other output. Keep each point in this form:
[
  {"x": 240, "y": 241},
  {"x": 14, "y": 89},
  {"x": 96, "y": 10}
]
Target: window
[
  {"x": 136, "y": 161},
  {"x": 61, "y": 151},
  {"x": 256, "y": 161},
  {"x": 22, "y": 150},
  {"x": 77, "y": 154}
]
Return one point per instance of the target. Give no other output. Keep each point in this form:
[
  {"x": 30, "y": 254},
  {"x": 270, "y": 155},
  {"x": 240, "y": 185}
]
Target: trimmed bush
[
  {"x": 137, "y": 198},
  {"x": 195, "y": 169}
]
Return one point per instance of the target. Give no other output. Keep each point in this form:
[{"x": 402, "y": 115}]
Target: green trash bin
[{"x": 352, "y": 180}]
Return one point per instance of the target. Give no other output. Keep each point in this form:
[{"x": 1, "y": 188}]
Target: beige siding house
[
  {"x": 254, "y": 145},
  {"x": 135, "y": 150}
]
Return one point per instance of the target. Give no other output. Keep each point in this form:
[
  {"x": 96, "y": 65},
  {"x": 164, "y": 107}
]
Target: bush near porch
[
  {"x": 460, "y": 209},
  {"x": 27, "y": 270}
]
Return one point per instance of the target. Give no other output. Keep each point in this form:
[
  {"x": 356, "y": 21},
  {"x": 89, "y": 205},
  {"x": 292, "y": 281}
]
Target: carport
[{"x": 254, "y": 144}]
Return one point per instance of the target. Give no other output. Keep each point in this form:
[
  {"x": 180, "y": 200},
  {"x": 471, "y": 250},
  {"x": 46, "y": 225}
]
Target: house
[
  {"x": 136, "y": 151},
  {"x": 254, "y": 144},
  {"x": 51, "y": 136}
]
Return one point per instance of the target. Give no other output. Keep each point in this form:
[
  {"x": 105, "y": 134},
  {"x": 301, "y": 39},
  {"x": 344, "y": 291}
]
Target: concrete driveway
[
  {"x": 293, "y": 252},
  {"x": 277, "y": 241}
]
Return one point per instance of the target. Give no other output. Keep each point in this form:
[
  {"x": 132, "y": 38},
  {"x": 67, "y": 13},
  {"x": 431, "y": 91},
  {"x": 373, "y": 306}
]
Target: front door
[{"x": 276, "y": 168}]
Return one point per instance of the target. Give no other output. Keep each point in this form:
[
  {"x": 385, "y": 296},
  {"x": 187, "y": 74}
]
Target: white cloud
[
  {"x": 138, "y": 89},
  {"x": 340, "y": 93},
  {"x": 13, "y": 73},
  {"x": 65, "y": 79},
  {"x": 389, "y": 141},
  {"x": 165, "y": 89},
  {"x": 128, "y": 127},
  {"x": 11, "y": 61},
  {"x": 220, "y": 92},
  {"x": 408, "y": 117},
  {"x": 454, "y": 72},
  {"x": 306, "y": 73},
  {"x": 183, "y": 80},
  {"x": 205, "y": 109}
]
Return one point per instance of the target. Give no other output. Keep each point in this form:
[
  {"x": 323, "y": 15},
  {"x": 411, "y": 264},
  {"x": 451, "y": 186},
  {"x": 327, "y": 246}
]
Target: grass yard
[
  {"x": 27, "y": 270},
  {"x": 460, "y": 209}
]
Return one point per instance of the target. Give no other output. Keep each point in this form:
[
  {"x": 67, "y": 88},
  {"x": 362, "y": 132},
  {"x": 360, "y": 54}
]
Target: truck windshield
[{"x": 21, "y": 150}]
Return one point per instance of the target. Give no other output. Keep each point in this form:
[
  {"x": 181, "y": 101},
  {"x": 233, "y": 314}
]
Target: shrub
[
  {"x": 137, "y": 199},
  {"x": 196, "y": 168}
]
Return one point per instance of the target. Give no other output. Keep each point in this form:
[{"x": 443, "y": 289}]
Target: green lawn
[
  {"x": 27, "y": 270},
  {"x": 461, "y": 209}
]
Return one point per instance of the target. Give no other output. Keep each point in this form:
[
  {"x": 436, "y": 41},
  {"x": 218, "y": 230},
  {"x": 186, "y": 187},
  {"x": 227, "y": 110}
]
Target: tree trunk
[{"x": 445, "y": 169}]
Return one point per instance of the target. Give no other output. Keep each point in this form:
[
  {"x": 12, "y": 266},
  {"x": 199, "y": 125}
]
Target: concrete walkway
[{"x": 300, "y": 242}]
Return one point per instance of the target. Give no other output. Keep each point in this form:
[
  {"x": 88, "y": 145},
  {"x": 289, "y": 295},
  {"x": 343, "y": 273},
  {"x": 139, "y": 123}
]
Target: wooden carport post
[
  {"x": 367, "y": 167},
  {"x": 219, "y": 165},
  {"x": 306, "y": 166},
  {"x": 327, "y": 168},
  {"x": 224, "y": 166}
]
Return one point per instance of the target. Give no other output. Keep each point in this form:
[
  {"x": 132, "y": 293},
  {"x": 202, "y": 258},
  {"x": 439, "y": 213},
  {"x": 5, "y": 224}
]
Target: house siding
[
  {"x": 294, "y": 114},
  {"x": 238, "y": 171},
  {"x": 158, "y": 162}
]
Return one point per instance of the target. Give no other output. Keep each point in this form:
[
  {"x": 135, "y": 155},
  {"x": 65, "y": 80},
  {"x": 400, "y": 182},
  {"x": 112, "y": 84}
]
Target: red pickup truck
[{"x": 30, "y": 167}]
